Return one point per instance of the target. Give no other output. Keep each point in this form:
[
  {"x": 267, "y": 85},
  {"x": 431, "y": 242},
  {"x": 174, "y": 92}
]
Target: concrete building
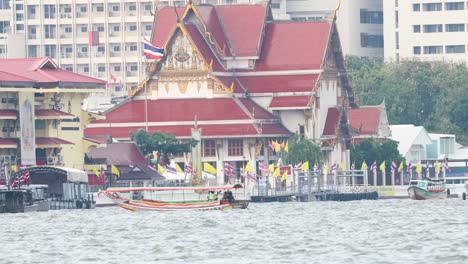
[
  {"x": 412, "y": 141},
  {"x": 426, "y": 30},
  {"x": 40, "y": 113}
]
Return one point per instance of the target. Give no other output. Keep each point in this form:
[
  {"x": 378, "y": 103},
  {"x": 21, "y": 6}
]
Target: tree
[
  {"x": 429, "y": 94},
  {"x": 302, "y": 150},
  {"x": 370, "y": 150},
  {"x": 165, "y": 144}
]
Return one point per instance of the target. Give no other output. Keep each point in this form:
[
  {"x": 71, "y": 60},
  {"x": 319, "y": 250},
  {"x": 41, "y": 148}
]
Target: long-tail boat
[{"x": 427, "y": 189}]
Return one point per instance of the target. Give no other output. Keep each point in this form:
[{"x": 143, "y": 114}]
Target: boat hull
[{"x": 417, "y": 193}]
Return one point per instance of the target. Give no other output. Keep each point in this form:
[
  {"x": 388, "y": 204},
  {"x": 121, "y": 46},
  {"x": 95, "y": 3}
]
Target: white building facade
[{"x": 429, "y": 30}]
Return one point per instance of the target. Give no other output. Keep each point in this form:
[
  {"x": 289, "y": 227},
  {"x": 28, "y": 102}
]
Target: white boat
[{"x": 427, "y": 189}]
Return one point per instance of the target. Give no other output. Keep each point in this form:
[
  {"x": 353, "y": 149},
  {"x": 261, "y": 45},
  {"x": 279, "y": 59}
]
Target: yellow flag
[
  {"x": 343, "y": 165},
  {"x": 177, "y": 168},
  {"x": 271, "y": 167},
  {"x": 364, "y": 165},
  {"x": 14, "y": 168},
  {"x": 382, "y": 166},
  {"x": 325, "y": 168},
  {"x": 276, "y": 172},
  {"x": 419, "y": 167},
  {"x": 305, "y": 166},
  {"x": 248, "y": 168},
  {"x": 161, "y": 169},
  {"x": 437, "y": 167},
  {"x": 277, "y": 146},
  {"x": 114, "y": 170},
  {"x": 286, "y": 148},
  {"x": 208, "y": 168},
  {"x": 96, "y": 172},
  {"x": 400, "y": 168},
  {"x": 285, "y": 175}
]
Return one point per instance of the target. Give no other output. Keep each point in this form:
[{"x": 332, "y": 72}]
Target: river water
[{"x": 383, "y": 231}]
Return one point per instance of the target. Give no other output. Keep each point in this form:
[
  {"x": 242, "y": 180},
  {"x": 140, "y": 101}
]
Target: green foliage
[
  {"x": 370, "y": 151},
  {"x": 301, "y": 150},
  {"x": 429, "y": 94},
  {"x": 165, "y": 144}
]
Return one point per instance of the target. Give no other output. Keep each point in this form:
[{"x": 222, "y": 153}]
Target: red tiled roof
[
  {"x": 185, "y": 131},
  {"x": 41, "y": 141},
  {"x": 289, "y": 101},
  {"x": 205, "y": 50},
  {"x": 243, "y": 25},
  {"x": 365, "y": 120},
  {"x": 281, "y": 83},
  {"x": 164, "y": 24},
  {"x": 167, "y": 110},
  {"x": 97, "y": 140},
  {"x": 9, "y": 142},
  {"x": 254, "y": 109},
  {"x": 331, "y": 123},
  {"x": 293, "y": 45},
  {"x": 51, "y": 113},
  {"x": 8, "y": 114},
  {"x": 42, "y": 71},
  {"x": 119, "y": 154},
  {"x": 8, "y": 77},
  {"x": 211, "y": 20}
]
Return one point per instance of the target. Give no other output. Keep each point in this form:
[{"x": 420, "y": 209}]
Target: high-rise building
[{"x": 426, "y": 30}]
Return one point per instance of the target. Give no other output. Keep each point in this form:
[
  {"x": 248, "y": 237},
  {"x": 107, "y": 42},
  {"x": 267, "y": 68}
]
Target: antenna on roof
[{"x": 177, "y": 14}]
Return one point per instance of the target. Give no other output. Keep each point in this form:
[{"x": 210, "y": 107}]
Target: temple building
[
  {"x": 40, "y": 113},
  {"x": 242, "y": 79}
]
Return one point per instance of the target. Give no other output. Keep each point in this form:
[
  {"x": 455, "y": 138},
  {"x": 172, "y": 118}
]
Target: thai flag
[
  {"x": 188, "y": 168},
  {"x": 298, "y": 166},
  {"x": 228, "y": 169},
  {"x": 334, "y": 167},
  {"x": 250, "y": 177},
  {"x": 353, "y": 166},
  {"x": 394, "y": 167},
  {"x": 446, "y": 166},
  {"x": 428, "y": 169},
  {"x": 263, "y": 167},
  {"x": 409, "y": 167},
  {"x": 374, "y": 165},
  {"x": 152, "y": 52}
]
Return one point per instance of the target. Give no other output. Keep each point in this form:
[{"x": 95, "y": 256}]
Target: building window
[
  {"x": 433, "y": 49},
  {"x": 432, "y": 28},
  {"x": 371, "y": 17},
  {"x": 50, "y": 51},
  {"x": 69, "y": 68},
  {"x": 396, "y": 3},
  {"x": 133, "y": 48},
  {"x": 209, "y": 148},
  {"x": 67, "y": 9},
  {"x": 115, "y": 8},
  {"x": 68, "y": 50},
  {"x": 417, "y": 28},
  {"x": 117, "y": 68},
  {"x": 417, "y": 50},
  {"x": 5, "y": 4},
  {"x": 101, "y": 68},
  {"x": 68, "y": 30},
  {"x": 84, "y": 49},
  {"x": 19, "y": 17},
  {"x": 148, "y": 7},
  {"x": 100, "y": 8},
  {"x": 416, "y": 7},
  {"x": 235, "y": 147},
  {"x": 39, "y": 124},
  {"x": 83, "y": 9},
  {"x": 101, "y": 49},
  {"x": 454, "y": 6},
  {"x": 116, "y": 48},
  {"x": 132, "y": 8},
  {"x": 49, "y": 11},
  {"x": 275, "y": 5},
  {"x": 371, "y": 41},
  {"x": 133, "y": 68},
  {"x": 432, "y": 7},
  {"x": 100, "y": 28},
  {"x": 301, "y": 130},
  {"x": 84, "y": 29},
  {"x": 397, "y": 40},
  {"x": 148, "y": 27},
  {"x": 19, "y": 27},
  {"x": 49, "y": 31},
  {"x": 454, "y": 27},
  {"x": 132, "y": 28},
  {"x": 86, "y": 69},
  {"x": 450, "y": 49},
  {"x": 116, "y": 28}
]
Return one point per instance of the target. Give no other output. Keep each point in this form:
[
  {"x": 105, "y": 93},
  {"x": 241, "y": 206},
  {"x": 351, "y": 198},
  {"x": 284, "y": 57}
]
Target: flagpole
[{"x": 146, "y": 97}]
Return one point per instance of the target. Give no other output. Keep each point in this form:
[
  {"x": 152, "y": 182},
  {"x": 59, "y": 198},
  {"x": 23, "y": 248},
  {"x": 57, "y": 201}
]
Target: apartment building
[
  {"x": 427, "y": 30},
  {"x": 60, "y": 30}
]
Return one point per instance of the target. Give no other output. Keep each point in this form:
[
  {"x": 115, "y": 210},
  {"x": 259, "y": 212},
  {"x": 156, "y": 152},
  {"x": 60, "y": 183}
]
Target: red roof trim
[
  {"x": 40, "y": 141},
  {"x": 289, "y": 101},
  {"x": 13, "y": 142},
  {"x": 279, "y": 83},
  {"x": 364, "y": 120},
  {"x": 8, "y": 114},
  {"x": 331, "y": 123}
]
